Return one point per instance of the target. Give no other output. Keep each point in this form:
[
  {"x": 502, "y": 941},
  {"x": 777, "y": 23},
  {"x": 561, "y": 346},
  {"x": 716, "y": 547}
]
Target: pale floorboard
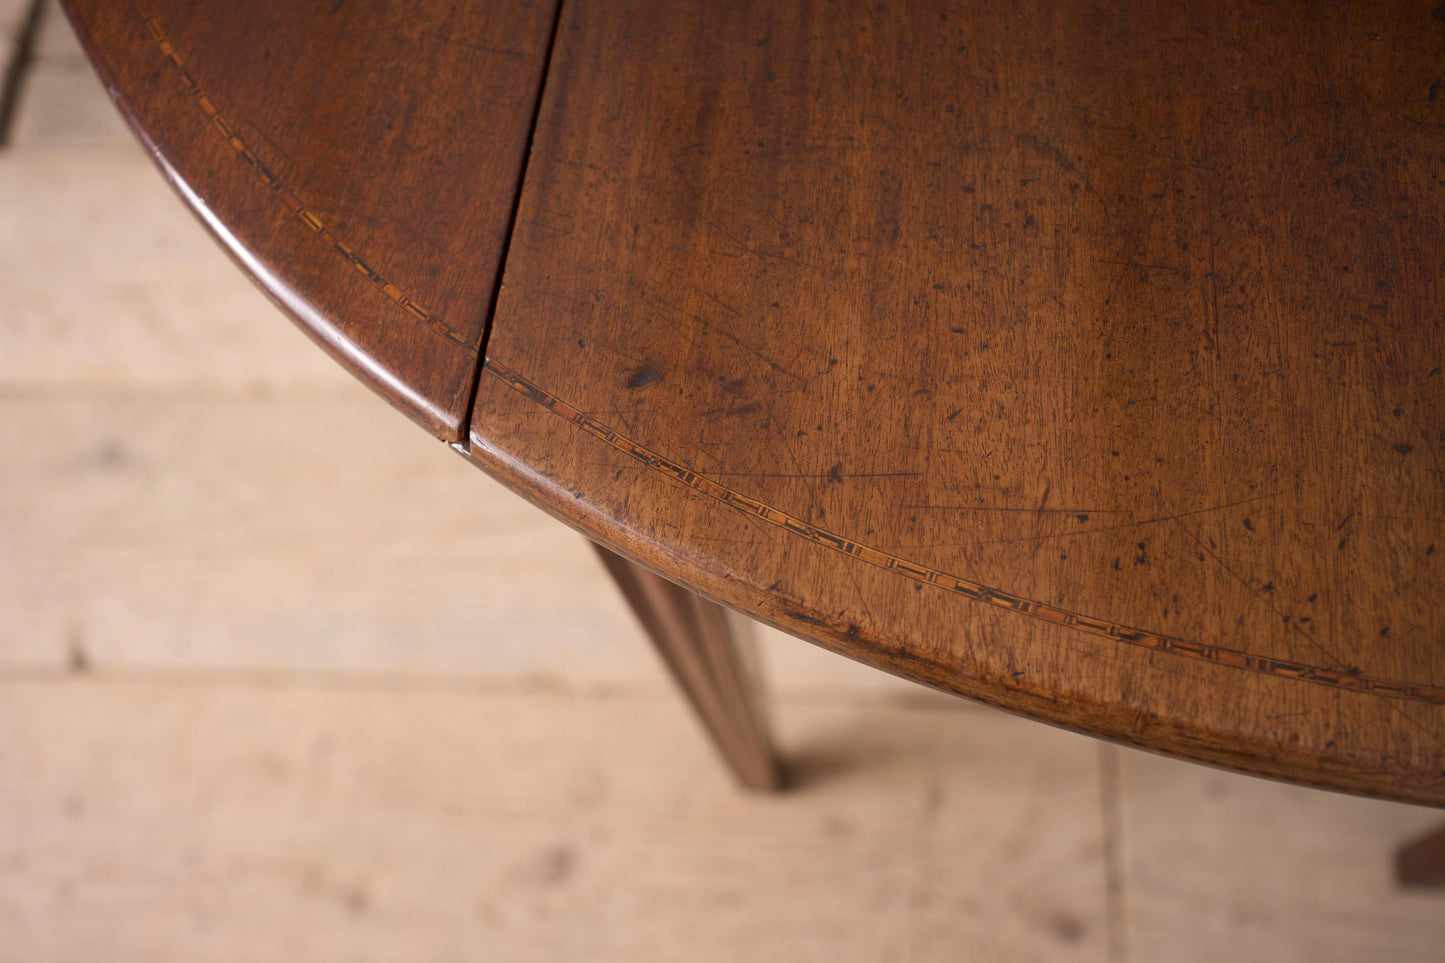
[
  {"x": 108, "y": 282},
  {"x": 164, "y": 821},
  {"x": 1223, "y": 867}
]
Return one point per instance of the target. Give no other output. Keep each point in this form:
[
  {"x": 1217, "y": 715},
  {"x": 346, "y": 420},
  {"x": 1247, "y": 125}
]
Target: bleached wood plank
[
  {"x": 1015, "y": 846},
  {"x": 226, "y": 533},
  {"x": 1219, "y": 866},
  {"x": 145, "y": 821},
  {"x": 106, "y": 281}
]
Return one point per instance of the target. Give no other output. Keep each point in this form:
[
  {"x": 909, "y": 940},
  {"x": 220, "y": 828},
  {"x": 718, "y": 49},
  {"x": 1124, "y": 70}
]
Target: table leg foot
[
  {"x": 693, "y": 638},
  {"x": 1422, "y": 862}
]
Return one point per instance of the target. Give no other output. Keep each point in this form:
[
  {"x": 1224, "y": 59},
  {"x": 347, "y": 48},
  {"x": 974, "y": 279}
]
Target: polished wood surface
[
  {"x": 333, "y": 667},
  {"x": 1084, "y": 360},
  {"x": 359, "y": 159},
  {"x": 692, "y": 636}
]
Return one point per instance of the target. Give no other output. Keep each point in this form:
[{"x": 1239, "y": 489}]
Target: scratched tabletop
[{"x": 1082, "y": 358}]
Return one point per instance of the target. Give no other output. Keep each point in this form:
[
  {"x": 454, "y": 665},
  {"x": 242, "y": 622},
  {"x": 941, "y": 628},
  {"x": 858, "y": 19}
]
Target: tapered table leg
[
  {"x": 692, "y": 635},
  {"x": 1422, "y": 862}
]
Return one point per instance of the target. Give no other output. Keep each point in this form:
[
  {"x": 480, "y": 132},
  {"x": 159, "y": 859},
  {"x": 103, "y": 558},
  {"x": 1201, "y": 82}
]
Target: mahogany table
[{"x": 1080, "y": 358}]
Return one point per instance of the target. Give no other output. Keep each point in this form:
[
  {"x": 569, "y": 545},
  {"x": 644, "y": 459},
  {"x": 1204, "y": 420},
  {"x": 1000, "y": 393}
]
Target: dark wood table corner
[{"x": 1079, "y": 359}]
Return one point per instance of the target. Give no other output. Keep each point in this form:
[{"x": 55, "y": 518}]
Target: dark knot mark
[{"x": 644, "y": 376}]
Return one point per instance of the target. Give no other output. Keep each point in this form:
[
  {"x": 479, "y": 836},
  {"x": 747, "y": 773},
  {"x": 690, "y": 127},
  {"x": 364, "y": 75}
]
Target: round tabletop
[{"x": 1082, "y": 358}]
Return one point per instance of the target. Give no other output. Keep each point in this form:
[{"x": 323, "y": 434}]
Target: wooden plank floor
[{"x": 249, "y": 711}]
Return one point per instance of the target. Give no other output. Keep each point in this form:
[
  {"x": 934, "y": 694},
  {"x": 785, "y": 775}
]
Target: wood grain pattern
[
  {"x": 215, "y": 823},
  {"x": 973, "y": 829},
  {"x": 368, "y": 190},
  {"x": 1216, "y": 867},
  {"x": 1083, "y": 360}
]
